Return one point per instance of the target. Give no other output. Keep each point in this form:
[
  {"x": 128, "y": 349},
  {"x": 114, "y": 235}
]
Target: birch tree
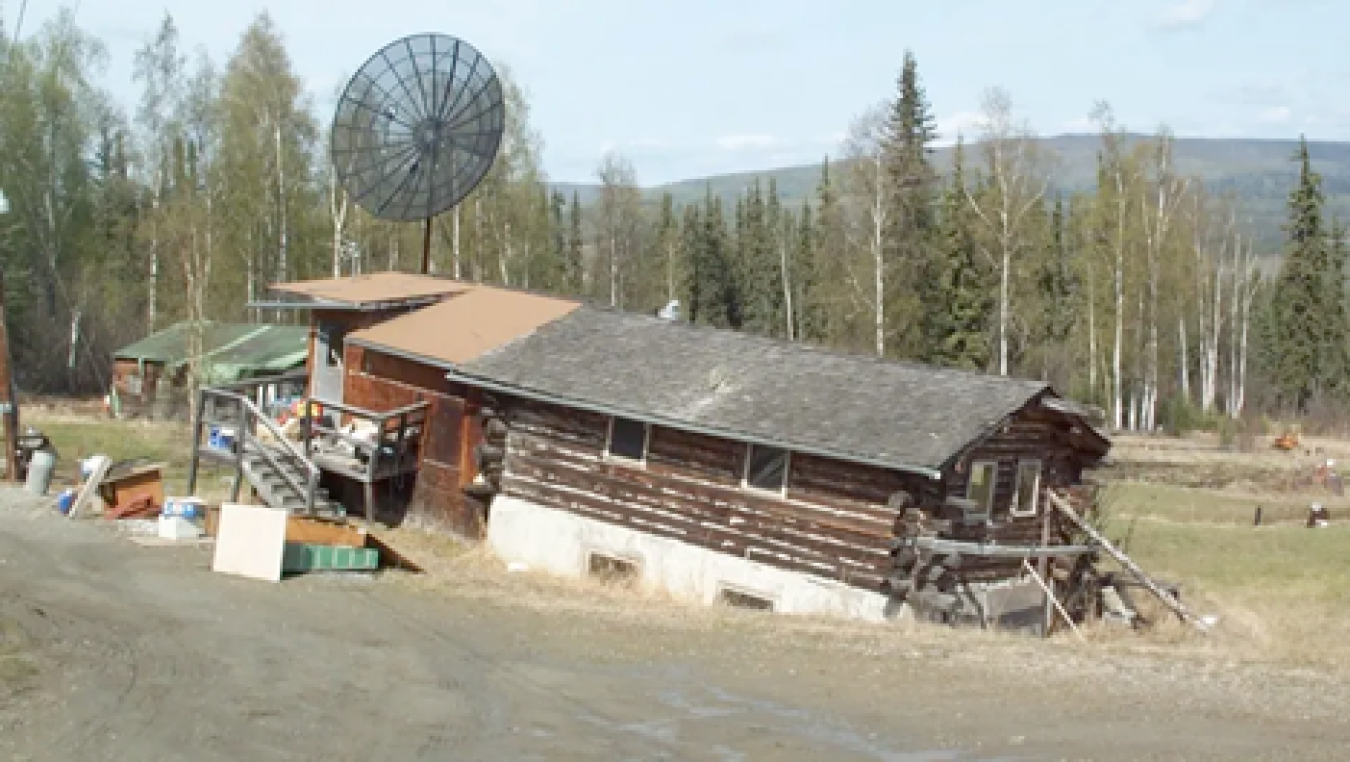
[
  {"x": 1016, "y": 183},
  {"x": 869, "y": 191},
  {"x": 159, "y": 69},
  {"x": 617, "y": 220}
]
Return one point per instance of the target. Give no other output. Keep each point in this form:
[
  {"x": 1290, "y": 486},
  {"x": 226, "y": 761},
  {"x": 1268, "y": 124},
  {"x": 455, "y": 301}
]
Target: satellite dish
[{"x": 417, "y": 129}]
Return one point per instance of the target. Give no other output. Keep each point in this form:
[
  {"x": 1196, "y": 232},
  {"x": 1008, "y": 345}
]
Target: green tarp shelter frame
[{"x": 230, "y": 351}]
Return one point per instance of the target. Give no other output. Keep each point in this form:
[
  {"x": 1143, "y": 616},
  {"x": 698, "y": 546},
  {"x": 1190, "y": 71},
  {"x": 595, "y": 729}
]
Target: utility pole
[{"x": 9, "y": 399}]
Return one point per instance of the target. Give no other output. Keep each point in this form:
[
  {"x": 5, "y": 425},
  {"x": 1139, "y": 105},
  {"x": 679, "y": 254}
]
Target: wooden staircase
[
  {"x": 272, "y": 474},
  {"x": 278, "y": 470}
]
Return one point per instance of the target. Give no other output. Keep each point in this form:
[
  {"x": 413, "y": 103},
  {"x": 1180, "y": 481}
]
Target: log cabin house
[{"x": 717, "y": 465}]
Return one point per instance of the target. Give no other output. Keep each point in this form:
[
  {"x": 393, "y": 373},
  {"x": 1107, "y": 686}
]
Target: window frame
[
  {"x": 646, "y": 441},
  {"x": 745, "y": 470},
  {"x": 988, "y": 505},
  {"x": 1014, "y": 508}
]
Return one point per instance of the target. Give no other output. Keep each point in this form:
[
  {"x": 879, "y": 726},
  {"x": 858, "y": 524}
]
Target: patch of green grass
[
  {"x": 1184, "y": 504},
  {"x": 165, "y": 442},
  {"x": 1279, "y": 589}
]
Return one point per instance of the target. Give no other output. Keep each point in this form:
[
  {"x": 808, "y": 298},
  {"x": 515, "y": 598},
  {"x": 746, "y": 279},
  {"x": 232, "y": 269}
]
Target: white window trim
[
  {"x": 745, "y": 471},
  {"x": 988, "y": 507},
  {"x": 646, "y": 442},
  {"x": 1016, "y": 510}
]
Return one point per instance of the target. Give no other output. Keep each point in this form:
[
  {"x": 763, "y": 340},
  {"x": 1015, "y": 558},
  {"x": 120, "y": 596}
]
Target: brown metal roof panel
[
  {"x": 460, "y": 329},
  {"x": 374, "y": 288}
]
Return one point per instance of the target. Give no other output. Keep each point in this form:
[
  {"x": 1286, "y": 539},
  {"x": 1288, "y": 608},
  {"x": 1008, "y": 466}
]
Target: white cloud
[
  {"x": 1185, "y": 14},
  {"x": 1078, "y": 126},
  {"x": 1276, "y": 115},
  {"x": 757, "y": 142},
  {"x": 964, "y": 123}
]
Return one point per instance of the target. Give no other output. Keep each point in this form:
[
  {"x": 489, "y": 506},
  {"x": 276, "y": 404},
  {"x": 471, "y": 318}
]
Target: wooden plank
[
  {"x": 938, "y": 545},
  {"x": 91, "y": 485},
  {"x": 1166, "y": 597},
  {"x": 303, "y": 530}
]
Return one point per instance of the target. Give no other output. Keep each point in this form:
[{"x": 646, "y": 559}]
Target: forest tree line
[{"x": 1142, "y": 294}]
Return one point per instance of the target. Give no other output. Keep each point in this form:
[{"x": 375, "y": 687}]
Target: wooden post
[
  {"x": 1169, "y": 600},
  {"x": 1044, "y": 570},
  {"x": 9, "y": 398}
]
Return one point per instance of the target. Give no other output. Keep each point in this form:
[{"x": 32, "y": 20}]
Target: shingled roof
[{"x": 902, "y": 415}]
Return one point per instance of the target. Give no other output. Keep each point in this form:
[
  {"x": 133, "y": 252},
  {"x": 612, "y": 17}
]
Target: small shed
[{"x": 150, "y": 375}]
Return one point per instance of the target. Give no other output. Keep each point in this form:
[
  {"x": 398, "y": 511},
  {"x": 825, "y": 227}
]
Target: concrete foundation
[{"x": 567, "y": 545}]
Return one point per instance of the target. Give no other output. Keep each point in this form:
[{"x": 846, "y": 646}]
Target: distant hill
[{"x": 1258, "y": 173}]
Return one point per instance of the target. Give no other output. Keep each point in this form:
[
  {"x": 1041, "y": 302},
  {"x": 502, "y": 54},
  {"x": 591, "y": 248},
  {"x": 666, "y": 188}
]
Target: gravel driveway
[{"x": 122, "y": 652}]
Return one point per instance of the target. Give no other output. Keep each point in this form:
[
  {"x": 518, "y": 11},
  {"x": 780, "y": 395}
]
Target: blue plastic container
[{"x": 65, "y": 500}]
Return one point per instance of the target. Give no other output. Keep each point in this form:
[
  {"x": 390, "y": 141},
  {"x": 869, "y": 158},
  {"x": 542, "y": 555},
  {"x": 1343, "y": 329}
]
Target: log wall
[
  {"x": 832, "y": 523},
  {"x": 1032, "y": 434}
]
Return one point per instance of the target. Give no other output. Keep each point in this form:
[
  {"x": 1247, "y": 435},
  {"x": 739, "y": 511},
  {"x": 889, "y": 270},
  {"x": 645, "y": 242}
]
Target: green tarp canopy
[{"x": 230, "y": 351}]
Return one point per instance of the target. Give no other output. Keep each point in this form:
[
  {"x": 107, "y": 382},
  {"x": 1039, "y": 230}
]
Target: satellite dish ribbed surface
[{"x": 418, "y": 127}]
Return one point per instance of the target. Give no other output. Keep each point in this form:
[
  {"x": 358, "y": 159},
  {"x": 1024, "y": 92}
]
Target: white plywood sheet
[{"x": 250, "y": 541}]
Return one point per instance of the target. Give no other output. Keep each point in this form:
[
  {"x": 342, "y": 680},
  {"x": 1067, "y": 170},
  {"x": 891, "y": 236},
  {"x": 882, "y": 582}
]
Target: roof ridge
[{"x": 805, "y": 347}]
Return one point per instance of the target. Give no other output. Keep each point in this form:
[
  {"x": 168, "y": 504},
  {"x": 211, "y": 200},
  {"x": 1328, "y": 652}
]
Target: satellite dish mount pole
[{"x": 426, "y": 248}]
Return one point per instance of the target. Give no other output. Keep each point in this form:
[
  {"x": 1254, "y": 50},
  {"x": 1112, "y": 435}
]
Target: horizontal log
[
  {"x": 1001, "y": 551},
  {"x": 714, "y": 539},
  {"x": 875, "y": 521},
  {"x": 645, "y": 506}
]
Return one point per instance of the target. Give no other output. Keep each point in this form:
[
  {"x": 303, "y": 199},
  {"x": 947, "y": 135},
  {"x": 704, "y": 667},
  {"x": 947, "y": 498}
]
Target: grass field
[{"x": 77, "y": 437}]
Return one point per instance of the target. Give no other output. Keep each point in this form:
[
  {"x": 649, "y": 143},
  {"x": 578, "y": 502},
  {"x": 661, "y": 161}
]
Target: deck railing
[{"x": 223, "y": 407}]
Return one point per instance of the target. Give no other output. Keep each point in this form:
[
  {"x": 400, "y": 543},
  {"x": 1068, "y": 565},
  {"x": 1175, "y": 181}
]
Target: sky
[{"x": 699, "y": 87}]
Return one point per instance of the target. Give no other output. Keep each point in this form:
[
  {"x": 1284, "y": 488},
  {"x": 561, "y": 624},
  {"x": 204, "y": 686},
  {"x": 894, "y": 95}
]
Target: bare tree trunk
[
  {"x": 1092, "y": 329},
  {"x": 1118, "y": 286},
  {"x": 879, "y": 259},
  {"x": 789, "y": 315},
  {"x": 457, "y": 263},
  {"x": 152, "y": 298},
  {"x": 1183, "y": 360},
  {"x": 504, "y": 261},
  {"x": 338, "y": 203},
  {"x": 613, "y": 269},
  {"x": 1215, "y": 308}
]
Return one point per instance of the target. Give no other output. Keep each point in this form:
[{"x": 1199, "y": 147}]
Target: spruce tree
[
  {"x": 1301, "y": 326},
  {"x": 573, "y": 264},
  {"x": 805, "y": 296},
  {"x": 954, "y": 325},
  {"x": 912, "y": 186}
]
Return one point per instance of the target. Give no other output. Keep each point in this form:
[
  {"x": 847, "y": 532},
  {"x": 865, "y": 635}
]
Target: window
[
  {"x": 737, "y": 598},
  {"x": 628, "y": 439},
  {"x": 980, "y": 487},
  {"x": 766, "y": 468},
  {"x": 134, "y": 384},
  {"x": 613, "y": 570},
  {"x": 1028, "y": 488}
]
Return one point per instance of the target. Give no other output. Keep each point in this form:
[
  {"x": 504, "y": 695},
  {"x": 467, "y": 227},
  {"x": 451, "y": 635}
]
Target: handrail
[
  {"x": 361, "y": 412},
  {"x": 376, "y": 444},
  {"x": 307, "y": 491}
]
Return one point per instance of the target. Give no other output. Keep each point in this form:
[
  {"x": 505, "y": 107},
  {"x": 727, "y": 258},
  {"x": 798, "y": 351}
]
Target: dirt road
[{"x": 119, "y": 652}]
